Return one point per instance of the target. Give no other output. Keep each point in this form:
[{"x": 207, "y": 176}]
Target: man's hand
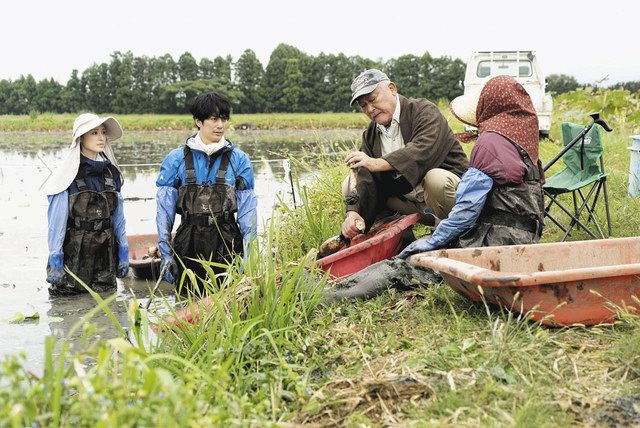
[
  {"x": 352, "y": 225},
  {"x": 361, "y": 159}
]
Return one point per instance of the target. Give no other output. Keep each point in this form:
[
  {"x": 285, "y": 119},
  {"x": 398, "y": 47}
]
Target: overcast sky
[{"x": 586, "y": 39}]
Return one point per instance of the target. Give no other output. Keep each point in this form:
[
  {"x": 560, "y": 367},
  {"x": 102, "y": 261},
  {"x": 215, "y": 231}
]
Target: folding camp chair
[{"x": 584, "y": 168}]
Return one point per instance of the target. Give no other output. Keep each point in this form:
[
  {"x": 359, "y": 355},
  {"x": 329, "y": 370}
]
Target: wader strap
[
  {"x": 511, "y": 220},
  {"x": 533, "y": 172},
  {"x": 222, "y": 171},
  {"x": 190, "y": 171},
  {"x": 82, "y": 185},
  {"x": 109, "y": 182}
]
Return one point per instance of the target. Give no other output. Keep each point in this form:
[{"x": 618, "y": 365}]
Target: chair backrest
[{"x": 583, "y": 158}]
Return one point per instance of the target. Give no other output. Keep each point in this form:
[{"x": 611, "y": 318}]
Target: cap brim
[{"x": 363, "y": 91}]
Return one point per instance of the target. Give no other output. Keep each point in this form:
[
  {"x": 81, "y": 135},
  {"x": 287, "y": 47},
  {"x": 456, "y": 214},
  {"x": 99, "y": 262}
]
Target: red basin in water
[
  {"x": 142, "y": 265},
  {"x": 558, "y": 284}
]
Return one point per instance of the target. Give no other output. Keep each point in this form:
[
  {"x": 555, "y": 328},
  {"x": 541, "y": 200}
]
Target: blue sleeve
[
  {"x": 247, "y": 213},
  {"x": 247, "y": 201},
  {"x": 170, "y": 168},
  {"x": 166, "y": 200},
  {"x": 119, "y": 230},
  {"x": 57, "y": 214},
  {"x": 471, "y": 195}
]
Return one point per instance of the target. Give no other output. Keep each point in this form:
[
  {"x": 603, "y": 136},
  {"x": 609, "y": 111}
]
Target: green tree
[
  {"x": 73, "y": 96},
  {"x": 187, "y": 67},
  {"x": 412, "y": 74},
  {"x": 121, "y": 83},
  {"x": 446, "y": 79},
  {"x": 249, "y": 76},
  {"x": 283, "y": 71},
  {"x": 48, "y": 96},
  {"x": 207, "y": 69},
  {"x": 175, "y": 98},
  {"x": 222, "y": 69},
  {"x": 631, "y": 86},
  {"x": 98, "y": 88},
  {"x": 6, "y": 89},
  {"x": 561, "y": 83}
]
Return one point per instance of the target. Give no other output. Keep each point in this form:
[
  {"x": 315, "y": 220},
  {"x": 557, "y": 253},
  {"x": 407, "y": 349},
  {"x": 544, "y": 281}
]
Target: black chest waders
[
  {"x": 208, "y": 229},
  {"x": 512, "y": 214},
  {"x": 89, "y": 247}
]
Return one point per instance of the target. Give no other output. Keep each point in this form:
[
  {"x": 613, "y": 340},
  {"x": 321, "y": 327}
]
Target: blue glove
[
  {"x": 123, "y": 268},
  {"x": 55, "y": 276},
  {"x": 419, "y": 246},
  {"x": 172, "y": 269},
  {"x": 123, "y": 256}
]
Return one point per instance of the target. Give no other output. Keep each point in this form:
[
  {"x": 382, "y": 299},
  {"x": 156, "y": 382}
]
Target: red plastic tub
[
  {"x": 560, "y": 283},
  {"x": 381, "y": 243}
]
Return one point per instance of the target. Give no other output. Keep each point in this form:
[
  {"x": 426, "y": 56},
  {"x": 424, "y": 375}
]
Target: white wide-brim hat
[
  {"x": 464, "y": 108},
  {"x": 67, "y": 169}
]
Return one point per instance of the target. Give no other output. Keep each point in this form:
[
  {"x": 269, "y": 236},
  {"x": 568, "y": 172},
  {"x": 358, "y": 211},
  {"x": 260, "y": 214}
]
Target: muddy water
[{"x": 25, "y": 159}]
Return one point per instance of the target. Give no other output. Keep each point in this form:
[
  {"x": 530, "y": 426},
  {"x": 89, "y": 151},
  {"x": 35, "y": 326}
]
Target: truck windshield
[{"x": 509, "y": 67}]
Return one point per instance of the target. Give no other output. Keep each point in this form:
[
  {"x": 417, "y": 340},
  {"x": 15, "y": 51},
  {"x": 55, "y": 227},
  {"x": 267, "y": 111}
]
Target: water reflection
[{"x": 25, "y": 162}]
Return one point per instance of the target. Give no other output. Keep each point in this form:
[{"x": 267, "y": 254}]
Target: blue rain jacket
[
  {"x": 239, "y": 174},
  {"x": 58, "y": 212},
  {"x": 471, "y": 196}
]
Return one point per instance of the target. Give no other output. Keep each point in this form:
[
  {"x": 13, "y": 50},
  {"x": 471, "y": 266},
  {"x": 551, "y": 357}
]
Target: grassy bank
[
  {"x": 268, "y": 355},
  {"x": 151, "y": 122}
]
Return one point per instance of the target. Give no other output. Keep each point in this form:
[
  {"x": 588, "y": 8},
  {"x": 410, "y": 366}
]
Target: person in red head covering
[{"x": 499, "y": 199}]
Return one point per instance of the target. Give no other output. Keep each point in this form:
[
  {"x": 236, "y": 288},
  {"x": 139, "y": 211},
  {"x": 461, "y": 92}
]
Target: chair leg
[
  {"x": 606, "y": 204},
  {"x": 585, "y": 204},
  {"x": 547, "y": 214},
  {"x": 574, "y": 219}
]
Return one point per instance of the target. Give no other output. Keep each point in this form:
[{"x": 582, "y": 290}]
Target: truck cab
[{"x": 522, "y": 66}]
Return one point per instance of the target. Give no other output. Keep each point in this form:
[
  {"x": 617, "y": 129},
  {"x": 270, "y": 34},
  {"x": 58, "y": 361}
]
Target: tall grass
[{"x": 241, "y": 362}]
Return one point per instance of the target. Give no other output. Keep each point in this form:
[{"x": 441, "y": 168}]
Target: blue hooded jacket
[{"x": 239, "y": 174}]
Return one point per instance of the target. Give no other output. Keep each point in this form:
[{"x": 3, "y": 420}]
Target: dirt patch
[
  {"x": 378, "y": 397},
  {"x": 623, "y": 411}
]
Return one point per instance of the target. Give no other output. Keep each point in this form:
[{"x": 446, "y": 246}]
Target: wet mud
[
  {"x": 623, "y": 411},
  {"x": 380, "y": 277}
]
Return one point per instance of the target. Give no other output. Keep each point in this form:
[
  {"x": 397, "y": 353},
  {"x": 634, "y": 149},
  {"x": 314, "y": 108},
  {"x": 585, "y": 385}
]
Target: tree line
[
  {"x": 292, "y": 81},
  {"x": 560, "y": 83}
]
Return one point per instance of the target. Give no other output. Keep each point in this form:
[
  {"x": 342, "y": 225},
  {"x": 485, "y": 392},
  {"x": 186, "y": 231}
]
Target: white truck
[{"x": 522, "y": 66}]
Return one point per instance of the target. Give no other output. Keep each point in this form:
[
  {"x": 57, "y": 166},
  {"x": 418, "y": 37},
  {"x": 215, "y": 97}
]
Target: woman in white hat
[{"x": 86, "y": 218}]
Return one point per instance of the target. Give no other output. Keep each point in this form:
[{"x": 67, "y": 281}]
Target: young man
[
  {"x": 409, "y": 159},
  {"x": 209, "y": 182}
]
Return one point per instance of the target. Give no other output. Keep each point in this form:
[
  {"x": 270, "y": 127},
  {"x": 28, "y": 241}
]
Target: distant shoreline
[{"x": 169, "y": 122}]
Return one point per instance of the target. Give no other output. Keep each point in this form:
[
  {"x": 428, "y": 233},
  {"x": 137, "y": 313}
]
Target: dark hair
[{"x": 210, "y": 104}]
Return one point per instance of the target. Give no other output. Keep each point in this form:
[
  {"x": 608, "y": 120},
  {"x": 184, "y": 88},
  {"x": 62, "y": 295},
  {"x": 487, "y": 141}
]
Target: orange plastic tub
[{"x": 559, "y": 284}]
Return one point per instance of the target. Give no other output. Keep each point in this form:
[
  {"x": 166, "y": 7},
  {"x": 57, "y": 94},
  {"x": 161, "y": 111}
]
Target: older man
[{"x": 409, "y": 159}]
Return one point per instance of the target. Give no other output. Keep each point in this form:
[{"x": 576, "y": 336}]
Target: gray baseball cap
[{"x": 366, "y": 82}]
